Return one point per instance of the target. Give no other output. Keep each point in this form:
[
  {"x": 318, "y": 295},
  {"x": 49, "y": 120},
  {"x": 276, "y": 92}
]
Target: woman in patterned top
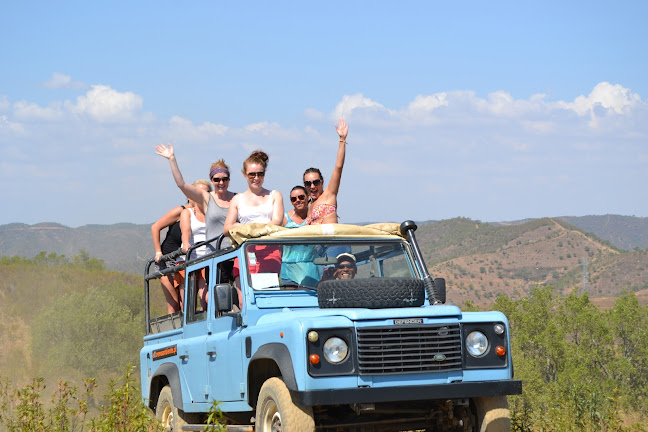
[{"x": 323, "y": 202}]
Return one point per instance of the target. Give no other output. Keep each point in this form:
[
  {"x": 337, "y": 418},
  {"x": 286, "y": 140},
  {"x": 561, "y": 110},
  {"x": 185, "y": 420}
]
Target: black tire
[
  {"x": 173, "y": 418},
  {"x": 375, "y": 293},
  {"x": 276, "y": 412},
  {"x": 493, "y": 414}
]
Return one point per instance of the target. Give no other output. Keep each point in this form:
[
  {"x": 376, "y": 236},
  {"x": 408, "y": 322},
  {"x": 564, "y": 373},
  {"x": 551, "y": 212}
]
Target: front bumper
[{"x": 407, "y": 393}]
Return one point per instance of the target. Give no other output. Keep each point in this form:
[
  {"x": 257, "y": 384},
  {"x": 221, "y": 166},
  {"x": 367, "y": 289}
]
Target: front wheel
[
  {"x": 493, "y": 414},
  {"x": 276, "y": 412},
  {"x": 172, "y": 418}
]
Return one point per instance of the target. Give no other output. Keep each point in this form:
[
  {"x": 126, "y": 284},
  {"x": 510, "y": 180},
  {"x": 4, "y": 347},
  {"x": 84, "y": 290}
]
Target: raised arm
[
  {"x": 336, "y": 177},
  {"x": 168, "y": 219},
  {"x": 277, "y": 209},
  {"x": 200, "y": 196}
]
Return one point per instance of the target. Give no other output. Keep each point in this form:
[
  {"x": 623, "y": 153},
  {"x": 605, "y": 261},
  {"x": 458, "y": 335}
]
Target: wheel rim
[
  {"x": 167, "y": 418},
  {"x": 271, "y": 417}
]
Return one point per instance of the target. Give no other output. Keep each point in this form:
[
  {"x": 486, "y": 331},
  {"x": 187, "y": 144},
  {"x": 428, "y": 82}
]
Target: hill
[
  {"x": 625, "y": 232},
  {"x": 480, "y": 261},
  {"x": 123, "y": 247}
]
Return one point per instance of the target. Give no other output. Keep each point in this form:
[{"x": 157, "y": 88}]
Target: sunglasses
[
  {"x": 308, "y": 183},
  {"x": 255, "y": 174},
  {"x": 220, "y": 179},
  {"x": 301, "y": 197},
  {"x": 345, "y": 266}
]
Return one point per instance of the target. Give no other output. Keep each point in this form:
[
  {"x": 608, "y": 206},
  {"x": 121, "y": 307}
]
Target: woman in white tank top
[
  {"x": 192, "y": 223},
  {"x": 256, "y": 204}
]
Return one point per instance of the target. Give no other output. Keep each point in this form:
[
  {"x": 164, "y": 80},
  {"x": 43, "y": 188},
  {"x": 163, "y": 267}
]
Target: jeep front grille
[{"x": 411, "y": 349}]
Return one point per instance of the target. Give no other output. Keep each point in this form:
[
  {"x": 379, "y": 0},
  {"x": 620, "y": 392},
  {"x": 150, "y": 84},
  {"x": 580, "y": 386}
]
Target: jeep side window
[{"x": 197, "y": 295}]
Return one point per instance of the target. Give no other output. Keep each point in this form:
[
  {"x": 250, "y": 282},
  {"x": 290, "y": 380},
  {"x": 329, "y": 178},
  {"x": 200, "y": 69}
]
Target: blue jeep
[{"x": 331, "y": 327}]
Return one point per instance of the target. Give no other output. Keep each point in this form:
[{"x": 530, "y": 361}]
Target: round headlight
[
  {"x": 477, "y": 343},
  {"x": 335, "y": 350}
]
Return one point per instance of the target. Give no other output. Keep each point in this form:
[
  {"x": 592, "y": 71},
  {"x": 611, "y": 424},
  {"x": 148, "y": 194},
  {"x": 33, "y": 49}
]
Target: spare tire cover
[{"x": 372, "y": 293}]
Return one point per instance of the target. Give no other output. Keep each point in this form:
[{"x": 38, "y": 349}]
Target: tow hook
[{"x": 360, "y": 408}]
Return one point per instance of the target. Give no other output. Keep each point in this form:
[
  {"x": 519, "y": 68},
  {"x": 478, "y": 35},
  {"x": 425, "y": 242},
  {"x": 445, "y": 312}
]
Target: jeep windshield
[{"x": 302, "y": 264}]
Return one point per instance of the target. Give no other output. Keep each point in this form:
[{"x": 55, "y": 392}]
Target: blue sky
[{"x": 489, "y": 110}]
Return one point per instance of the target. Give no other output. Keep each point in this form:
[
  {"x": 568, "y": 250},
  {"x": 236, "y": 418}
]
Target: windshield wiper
[{"x": 291, "y": 285}]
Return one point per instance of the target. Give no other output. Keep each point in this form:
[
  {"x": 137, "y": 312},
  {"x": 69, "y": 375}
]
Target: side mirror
[
  {"x": 439, "y": 284},
  {"x": 223, "y": 297}
]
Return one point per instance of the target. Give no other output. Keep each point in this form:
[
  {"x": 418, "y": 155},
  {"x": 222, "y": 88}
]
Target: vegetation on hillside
[{"x": 583, "y": 368}]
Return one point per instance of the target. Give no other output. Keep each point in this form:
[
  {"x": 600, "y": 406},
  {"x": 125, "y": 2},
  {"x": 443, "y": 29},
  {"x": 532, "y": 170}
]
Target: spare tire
[{"x": 374, "y": 293}]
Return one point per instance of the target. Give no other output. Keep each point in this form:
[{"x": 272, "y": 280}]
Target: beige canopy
[{"x": 241, "y": 233}]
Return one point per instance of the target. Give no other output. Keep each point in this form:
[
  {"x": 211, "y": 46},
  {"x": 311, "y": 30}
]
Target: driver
[{"x": 345, "y": 268}]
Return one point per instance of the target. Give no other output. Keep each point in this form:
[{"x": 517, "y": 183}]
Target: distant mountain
[
  {"x": 123, "y": 247},
  {"x": 624, "y": 232},
  {"x": 479, "y": 260}
]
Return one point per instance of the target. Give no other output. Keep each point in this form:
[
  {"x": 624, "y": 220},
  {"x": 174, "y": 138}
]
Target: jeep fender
[
  {"x": 170, "y": 372},
  {"x": 281, "y": 356}
]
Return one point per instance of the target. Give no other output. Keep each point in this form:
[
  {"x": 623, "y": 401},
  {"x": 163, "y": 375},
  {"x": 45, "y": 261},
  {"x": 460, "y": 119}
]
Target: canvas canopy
[{"x": 241, "y": 233}]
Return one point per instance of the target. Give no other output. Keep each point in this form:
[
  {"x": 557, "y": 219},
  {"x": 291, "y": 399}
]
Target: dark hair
[
  {"x": 257, "y": 157},
  {"x": 299, "y": 187},
  {"x": 313, "y": 170}
]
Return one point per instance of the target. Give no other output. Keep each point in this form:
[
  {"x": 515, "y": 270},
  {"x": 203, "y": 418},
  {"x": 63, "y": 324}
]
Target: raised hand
[
  {"x": 164, "y": 151},
  {"x": 342, "y": 129}
]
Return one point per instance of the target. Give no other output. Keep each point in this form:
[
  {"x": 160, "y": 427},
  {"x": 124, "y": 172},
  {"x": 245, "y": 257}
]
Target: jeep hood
[{"x": 361, "y": 314}]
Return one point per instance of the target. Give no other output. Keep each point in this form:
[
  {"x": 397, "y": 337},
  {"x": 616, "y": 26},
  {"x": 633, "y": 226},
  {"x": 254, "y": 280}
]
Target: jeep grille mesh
[{"x": 411, "y": 349}]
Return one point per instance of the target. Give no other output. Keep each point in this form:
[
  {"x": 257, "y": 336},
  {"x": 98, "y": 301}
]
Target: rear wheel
[
  {"x": 276, "y": 412},
  {"x": 493, "y": 414},
  {"x": 172, "y": 418}
]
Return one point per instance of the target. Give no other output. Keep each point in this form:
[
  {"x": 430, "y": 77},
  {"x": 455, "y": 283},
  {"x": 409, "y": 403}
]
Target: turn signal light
[
  {"x": 500, "y": 351},
  {"x": 314, "y": 359}
]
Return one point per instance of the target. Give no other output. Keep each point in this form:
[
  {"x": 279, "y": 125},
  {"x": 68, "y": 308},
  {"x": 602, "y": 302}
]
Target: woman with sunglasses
[
  {"x": 297, "y": 260},
  {"x": 323, "y": 202},
  {"x": 214, "y": 205},
  {"x": 297, "y": 217},
  {"x": 260, "y": 205}
]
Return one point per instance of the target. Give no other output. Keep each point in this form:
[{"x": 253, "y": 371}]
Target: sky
[{"x": 494, "y": 111}]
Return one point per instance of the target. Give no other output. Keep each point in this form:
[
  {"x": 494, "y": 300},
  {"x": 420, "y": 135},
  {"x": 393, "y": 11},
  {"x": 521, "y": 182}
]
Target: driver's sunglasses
[
  {"x": 308, "y": 183},
  {"x": 260, "y": 174},
  {"x": 220, "y": 179},
  {"x": 345, "y": 266},
  {"x": 300, "y": 197}
]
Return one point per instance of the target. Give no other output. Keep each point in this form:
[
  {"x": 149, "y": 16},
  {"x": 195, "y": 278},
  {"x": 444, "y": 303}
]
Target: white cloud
[
  {"x": 428, "y": 103},
  {"x": 105, "y": 104},
  {"x": 10, "y": 128},
  {"x": 349, "y": 103},
  {"x": 611, "y": 97},
  {"x": 62, "y": 81},
  {"x": 182, "y": 129},
  {"x": 26, "y": 111}
]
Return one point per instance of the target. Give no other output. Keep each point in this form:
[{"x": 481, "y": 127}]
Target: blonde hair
[
  {"x": 257, "y": 157},
  {"x": 204, "y": 182}
]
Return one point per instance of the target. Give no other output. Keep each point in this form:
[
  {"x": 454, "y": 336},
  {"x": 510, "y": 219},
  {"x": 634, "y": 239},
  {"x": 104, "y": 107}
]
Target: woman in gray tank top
[{"x": 214, "y": 205}]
